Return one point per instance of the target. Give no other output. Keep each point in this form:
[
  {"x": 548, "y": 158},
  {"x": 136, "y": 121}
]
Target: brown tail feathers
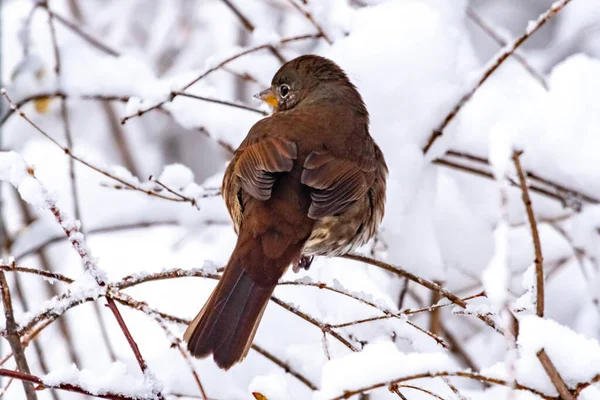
[{"x": 226, "y": 325}]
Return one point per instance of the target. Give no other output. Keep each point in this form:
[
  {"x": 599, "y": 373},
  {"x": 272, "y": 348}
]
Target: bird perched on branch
[{"x": 307, "y": 180}]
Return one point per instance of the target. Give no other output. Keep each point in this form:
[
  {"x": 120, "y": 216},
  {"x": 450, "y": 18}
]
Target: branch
[
  {"x": 493, "y": 65},
  {"x": 423, "y": 282},
  {"x": 557, "y": 380},
  {"x": 128, "y": 301},
  {"x": 106, "y": 229},
  {"x": 461, "y": 374},
  {"x": 284, "y": 366},
  {"x": 250, "y": 27},
  {"x": 213, "y": 69},
  {"x": 313, "y": 321},
  {"x": 568, "y": 197},
  {"x": 487, "y": 28},
  {"x": 310, "y": 18},
  {"x": 537, "y": 245},
  {"x": 53, "y": 276},
  {"x": 223, "y": 102},
  {"x": 64, "y": 386},
  {"x": 88, "y": 164},
  {"x": 78, "y": 31},
  {"x": 13, "y": 337}
]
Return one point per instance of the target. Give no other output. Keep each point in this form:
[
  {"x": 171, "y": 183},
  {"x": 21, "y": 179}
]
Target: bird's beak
[{"x": 268, "y": 97}]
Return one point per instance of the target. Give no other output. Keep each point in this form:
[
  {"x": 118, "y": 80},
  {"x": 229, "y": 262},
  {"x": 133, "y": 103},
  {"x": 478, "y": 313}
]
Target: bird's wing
[
  {"x": 259, "y": 162},
  {"x": 253, "y": 170},
  {"x": 336, "y": 183}
]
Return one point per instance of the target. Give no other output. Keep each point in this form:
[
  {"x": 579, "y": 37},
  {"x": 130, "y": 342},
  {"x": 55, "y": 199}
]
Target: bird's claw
[{"x": 304, "y": 262}]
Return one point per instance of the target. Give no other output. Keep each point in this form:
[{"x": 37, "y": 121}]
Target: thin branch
[
  {"x": 110, "y": 303},
  {"x": 567, "y": 197},
  {"x": 494, "y": 64},
  {"x": 250, "y": 28},
  {"x": 462, "y": 374},
  {"x": 323, "y": 327},
  {"x": 106, "y": 229},
  {"x": 118, "y": 136},
  {"x": 177, "y": 342},
  {"x": 422, "y": 390},
  {"x": 223, "y": 102},
  {"x": 557, "y": 380},
  {"x": 64, "y": 112},
  {"x": 52, "y": 290},
  {"x": 213, "y": 69},
  {"x": 537, "y": 245},
  {"x": 53, "y": 276},
  {"x": 64, "y": 386},
  {"x": 310, "y": 18},
  {"x": 487, "y": 28},
  {"x": 284, "y": 366},
  {"x": 13, "y": 337},
  {"x": 78, "y": 31},
  {"x": 61, "y": 94},
  {"x": 423, "y": 282},
  {"x": 128, "y": 301},
  {"x": 100, "y": 170}
]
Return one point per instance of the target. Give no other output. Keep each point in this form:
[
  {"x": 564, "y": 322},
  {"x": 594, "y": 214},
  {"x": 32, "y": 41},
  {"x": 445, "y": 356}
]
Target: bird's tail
[{"x": 226, "y": 325}]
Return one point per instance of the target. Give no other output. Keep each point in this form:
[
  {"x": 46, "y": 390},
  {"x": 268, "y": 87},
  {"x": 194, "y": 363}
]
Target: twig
[
  {"x": 284, "y": 366},
  {"x": 177, "y": 342},
  {"x": 45, "y": 264},
  {"x": 106, "y": 229},
  {"x": 250, "y": 27},
  {"x": 213, "y": 69},
  {"x": 310, "y": 18},
  {"x": 487, "y": 28},
  {"x": 118, "y": 135},
  {"x": 64, "y": 112},
  {"x": 537, "y": 245},
  {"x": 13, "y": 267},
  {"x": 110, "y": 303},
  {"x": 568, "y": 197},
  {"x": 323, "y": 327},
  {"x": 128, "y": 301},
  {"x": 494, "y": 64},
  {"x": 223, "y": 102},
  {"x": 422, "y": 390},
  {"x": 61, "y": 94},
  {"x": 462, "y": 374},
  {"x": 78, "y": 31},
  {"x": 27, "y": 29},
  {"x": 64, "y": 386},
  {"x": 69, "y": 153},
  {"x": 423, "y": 282},
  {"x": 457, "y": 349},
  {"x": 13, "y": 337},
  {"x": 557, "y": 381}
]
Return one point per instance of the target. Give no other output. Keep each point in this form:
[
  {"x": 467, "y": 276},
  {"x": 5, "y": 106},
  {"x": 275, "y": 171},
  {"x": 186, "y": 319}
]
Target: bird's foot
[{"x": 304, "y": 262}]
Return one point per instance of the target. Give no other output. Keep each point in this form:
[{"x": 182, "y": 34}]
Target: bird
[{"x": 308, "y": 180}]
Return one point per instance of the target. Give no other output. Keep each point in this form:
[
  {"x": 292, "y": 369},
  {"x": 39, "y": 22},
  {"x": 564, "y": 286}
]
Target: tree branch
[
  {"x": 493, "y": 65},
  {"x": 537, "y": 245},
  {"x": 557, "y": 380},
  {"x": 13, "y": 337}
]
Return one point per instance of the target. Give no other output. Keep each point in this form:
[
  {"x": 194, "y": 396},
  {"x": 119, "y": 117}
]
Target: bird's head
[{"x": 311, "y": 80}]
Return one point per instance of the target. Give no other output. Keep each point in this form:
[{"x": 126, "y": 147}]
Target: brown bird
[{"x": 307, "y": 180}]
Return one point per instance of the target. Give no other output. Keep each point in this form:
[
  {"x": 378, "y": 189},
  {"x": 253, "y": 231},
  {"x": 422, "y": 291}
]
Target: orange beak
[{"x": 268, "y": 97}]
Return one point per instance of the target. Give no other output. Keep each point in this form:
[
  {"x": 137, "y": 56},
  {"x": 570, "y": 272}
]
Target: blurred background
[{"x": 412, "y": 60}]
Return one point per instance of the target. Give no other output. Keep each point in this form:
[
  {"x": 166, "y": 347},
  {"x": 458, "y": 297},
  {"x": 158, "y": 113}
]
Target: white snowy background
[{"x": 452, "y": 216}]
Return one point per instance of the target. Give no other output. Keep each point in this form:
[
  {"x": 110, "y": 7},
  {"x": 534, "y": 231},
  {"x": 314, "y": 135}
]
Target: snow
[
  {"x": 118, "y": 379},
  {"x": 412, "y": 61},
  {"x": 15, "y": 170},
  {"x": 377, "y": 362}
]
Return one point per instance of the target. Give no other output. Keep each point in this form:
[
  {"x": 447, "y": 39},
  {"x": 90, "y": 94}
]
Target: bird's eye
[{"x": 284, "y": 90}]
